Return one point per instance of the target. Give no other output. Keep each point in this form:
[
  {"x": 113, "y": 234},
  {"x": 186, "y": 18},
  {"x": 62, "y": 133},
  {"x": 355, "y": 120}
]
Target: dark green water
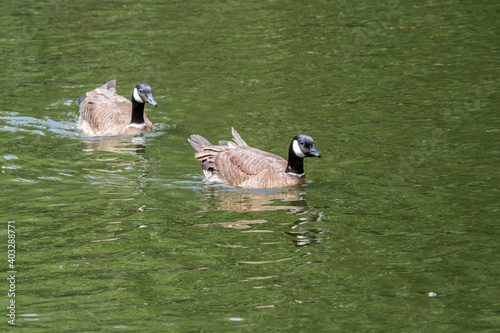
[{"x": 397, "y": 229}]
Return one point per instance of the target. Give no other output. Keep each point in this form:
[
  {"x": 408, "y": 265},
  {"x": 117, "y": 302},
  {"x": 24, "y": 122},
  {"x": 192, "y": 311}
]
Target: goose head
[
  {"x": 303, "y": 146},
  {"x": 143, "y": 94}
]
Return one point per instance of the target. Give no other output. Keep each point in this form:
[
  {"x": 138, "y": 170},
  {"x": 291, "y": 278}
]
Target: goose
[
  {"x": 105, "y": 113},
  {"x": 238, "y": 164}
]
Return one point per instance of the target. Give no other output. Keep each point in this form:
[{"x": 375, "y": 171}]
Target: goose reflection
[
  {"x": 293, "y": 200},
  {"x": 110, "y": 168},
  {"x": 120, "y": 145},
  {"x": 305, "y": 231}
]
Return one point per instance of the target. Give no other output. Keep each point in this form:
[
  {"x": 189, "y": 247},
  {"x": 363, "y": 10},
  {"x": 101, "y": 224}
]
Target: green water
[{"x": 397, "y": 229}]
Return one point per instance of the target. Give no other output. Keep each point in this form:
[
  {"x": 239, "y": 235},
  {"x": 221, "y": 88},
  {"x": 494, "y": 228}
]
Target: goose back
[
  {"x": 241, "y": 165},
  {"x": 105, "y": 113}
]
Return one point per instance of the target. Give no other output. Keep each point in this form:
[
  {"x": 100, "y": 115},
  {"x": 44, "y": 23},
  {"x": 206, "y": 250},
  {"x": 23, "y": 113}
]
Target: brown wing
[
  {"x": 243, "y": 164},
  {"x": 104, "y": 112}
]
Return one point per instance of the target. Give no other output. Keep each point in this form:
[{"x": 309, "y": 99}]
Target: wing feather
[
  {"x": 241, "y": 165},
  {"x": 102, "y": 111}
]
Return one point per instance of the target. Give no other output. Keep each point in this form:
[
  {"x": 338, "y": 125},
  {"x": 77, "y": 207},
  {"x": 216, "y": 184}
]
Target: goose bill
[
  {"x": 151, "y": 101},
  {"x": 313, "y": 153}
]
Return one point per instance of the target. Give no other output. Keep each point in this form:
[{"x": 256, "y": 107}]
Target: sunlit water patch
[{"x": 13, "y": 122}]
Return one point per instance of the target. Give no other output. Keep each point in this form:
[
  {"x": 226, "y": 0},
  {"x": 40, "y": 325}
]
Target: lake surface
[{"x": 396, "y": 230}]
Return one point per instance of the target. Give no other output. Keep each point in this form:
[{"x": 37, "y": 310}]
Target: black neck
[
  {"x": 295, "y": 163},
  {"x": 137, "y": 112}
]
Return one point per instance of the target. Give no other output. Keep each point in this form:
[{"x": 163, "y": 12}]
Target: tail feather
[
  {"x": 111, "y": 84},
  {"x": 237, "y": 138},
  {"x": 198, "y": 142}
]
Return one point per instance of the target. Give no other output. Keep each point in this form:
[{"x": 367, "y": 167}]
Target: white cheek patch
[
  {"x": 137, "y": 98},
  {"x": 296, "y": 149}
]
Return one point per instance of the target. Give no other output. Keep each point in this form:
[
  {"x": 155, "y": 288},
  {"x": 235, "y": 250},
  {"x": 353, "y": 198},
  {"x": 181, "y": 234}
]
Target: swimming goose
[
  {"x": 240, "y": 165},
  {"x": 105, "y": 113}
]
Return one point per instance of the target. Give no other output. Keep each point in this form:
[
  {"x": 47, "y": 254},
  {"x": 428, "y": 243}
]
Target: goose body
[
  {"x": 105, "y": 113},
  {"x": 241, "y": 165}
]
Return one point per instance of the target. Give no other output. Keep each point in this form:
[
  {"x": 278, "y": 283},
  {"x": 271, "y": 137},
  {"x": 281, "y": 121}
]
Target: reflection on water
[
  {"x": 118, "y": 165},
  {"x": 265, "y": 261},
  {"x": 121, "y": 145},
  {"x": 240, "y": 224},
  {"x": 292, "y": 199},
  {"x": 305, "y": 231}
]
